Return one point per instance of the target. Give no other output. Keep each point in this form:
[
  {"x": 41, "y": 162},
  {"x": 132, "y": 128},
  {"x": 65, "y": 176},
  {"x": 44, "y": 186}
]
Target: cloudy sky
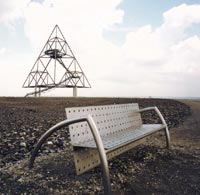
[{"x": 127, "y": 48}]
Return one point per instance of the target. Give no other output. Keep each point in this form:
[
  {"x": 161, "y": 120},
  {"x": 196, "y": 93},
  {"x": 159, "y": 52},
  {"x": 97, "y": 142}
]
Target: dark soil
[{"x": 146, "y": 169}]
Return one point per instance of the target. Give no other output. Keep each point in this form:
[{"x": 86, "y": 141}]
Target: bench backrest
[{"x": 109, "y": 119}]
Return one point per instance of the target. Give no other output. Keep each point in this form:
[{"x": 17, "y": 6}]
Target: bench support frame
[{"x": 98, "y": 141}]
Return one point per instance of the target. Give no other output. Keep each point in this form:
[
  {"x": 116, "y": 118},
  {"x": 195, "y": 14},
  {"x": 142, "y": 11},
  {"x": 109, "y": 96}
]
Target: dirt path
[{"x": 187, "y": 136}]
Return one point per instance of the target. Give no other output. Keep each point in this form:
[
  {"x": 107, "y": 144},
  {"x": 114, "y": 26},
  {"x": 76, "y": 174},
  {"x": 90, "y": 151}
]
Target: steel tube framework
[
  {"x": 56, "y": 67},
  {"x": 167, "y": 135}
]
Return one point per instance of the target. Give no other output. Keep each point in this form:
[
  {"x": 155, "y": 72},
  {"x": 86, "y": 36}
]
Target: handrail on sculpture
[
  {"x": 163, "y": 122},
  {"x": 97, "y": 138}
]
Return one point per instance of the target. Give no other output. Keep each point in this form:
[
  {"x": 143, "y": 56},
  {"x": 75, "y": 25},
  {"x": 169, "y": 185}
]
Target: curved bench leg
[
  {"x": 167, "y": 137},
  {"x": 48, "y": 134},
  {"x": 98, "y": 141},
  {"x": 166, "y": 128},
  {"x": 163, "y": 122},
  {"x": 102, "y": 154}
]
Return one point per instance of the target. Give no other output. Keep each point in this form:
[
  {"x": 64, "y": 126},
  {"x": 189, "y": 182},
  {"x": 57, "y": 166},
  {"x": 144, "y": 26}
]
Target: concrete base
[
  {"x": 37, "y": 93},
  {"x": 75, "y": 92}
]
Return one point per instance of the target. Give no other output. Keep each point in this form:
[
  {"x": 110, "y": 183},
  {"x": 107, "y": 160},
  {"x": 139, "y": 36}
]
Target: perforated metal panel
[
  {"x": 88, "y": 158},
  {"x": 109, "y": 119},
  {"x": 122, "y": 137},
  {"x": 119, "y": 125}
]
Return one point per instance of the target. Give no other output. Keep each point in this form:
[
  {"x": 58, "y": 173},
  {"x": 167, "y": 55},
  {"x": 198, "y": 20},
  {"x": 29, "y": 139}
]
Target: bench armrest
[
  {"x": 162, "y": 120},
  {"x": 97, "y": 138},
  {"x": 157, "y": 112},
  {"x": 48, "y": 133}
]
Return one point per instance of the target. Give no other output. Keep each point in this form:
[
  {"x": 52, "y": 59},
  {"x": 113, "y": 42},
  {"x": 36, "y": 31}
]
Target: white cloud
[
  {"x": 11, "y": 10},
  {"x": 169, "y": 42},
  {"x": 166, "y": 58},
  {"x": 143, "y": 46},
  {"x": 176, "y": 21},
  {"x": 184, "y": 56},
  {"x": 2, "y": 51},
  {"x": 80, "y": 20},
  {"x": 160, "y": 61}
]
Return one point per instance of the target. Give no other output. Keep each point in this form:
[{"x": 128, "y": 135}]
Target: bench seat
[{"x": 123, "y": 137}]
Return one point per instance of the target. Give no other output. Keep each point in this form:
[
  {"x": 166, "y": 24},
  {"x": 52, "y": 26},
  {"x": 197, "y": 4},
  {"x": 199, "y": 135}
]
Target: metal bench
[{"x": 99, "y": 133}]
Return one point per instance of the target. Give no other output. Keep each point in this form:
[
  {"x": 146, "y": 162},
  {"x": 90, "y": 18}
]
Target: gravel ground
[{"x": 146, "y": 169}]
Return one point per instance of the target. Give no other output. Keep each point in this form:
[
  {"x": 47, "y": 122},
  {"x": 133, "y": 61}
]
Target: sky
[{"x": 126, "y": 48}]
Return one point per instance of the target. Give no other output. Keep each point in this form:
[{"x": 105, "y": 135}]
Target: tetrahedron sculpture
[{"x": 56, "y": 67}]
